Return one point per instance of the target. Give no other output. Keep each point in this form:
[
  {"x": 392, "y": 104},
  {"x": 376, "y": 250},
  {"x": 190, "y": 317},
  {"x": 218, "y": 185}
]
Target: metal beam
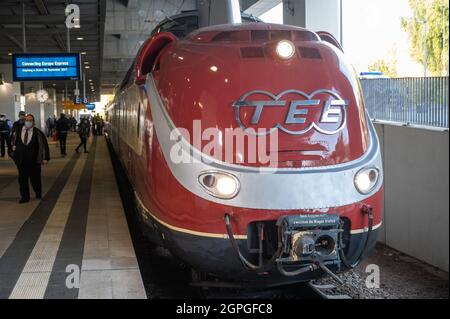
[
  {"x": 245, "y": 4},
  {"x": 102, "y": 15},
  {"x": 41, "y": 7},
  {"x": 15, "y": 41},
  {"x": 59, "y": 41},
  {"x": 50, "y": 19},
  {"x": 262, "y": 6}
]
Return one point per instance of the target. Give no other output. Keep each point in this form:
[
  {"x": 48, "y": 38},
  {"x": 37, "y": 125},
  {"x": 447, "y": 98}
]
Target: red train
[{"x": 314, "y": 208}]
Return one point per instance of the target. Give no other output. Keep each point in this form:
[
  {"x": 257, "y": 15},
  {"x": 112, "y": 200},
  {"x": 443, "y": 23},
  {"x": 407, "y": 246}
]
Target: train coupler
[
  {"x": 305, "y": 243},
  {"x": 310, "y": 242}
]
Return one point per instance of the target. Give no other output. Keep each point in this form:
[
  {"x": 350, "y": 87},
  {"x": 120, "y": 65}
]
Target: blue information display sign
[
  {"x": 46, "y": 66},
  {"x": 79, "y": 100},
  {"x": 90, "y": 107}
]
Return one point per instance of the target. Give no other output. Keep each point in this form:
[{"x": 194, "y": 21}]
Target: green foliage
[
  {"x": 436, "y": 17},
  {"x": 387, "y": 68}
]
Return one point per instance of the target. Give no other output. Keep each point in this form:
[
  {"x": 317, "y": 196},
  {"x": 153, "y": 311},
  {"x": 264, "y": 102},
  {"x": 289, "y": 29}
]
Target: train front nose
[
  {"x": 264, "y": 81},
  {"x": 296, "y": 211}
]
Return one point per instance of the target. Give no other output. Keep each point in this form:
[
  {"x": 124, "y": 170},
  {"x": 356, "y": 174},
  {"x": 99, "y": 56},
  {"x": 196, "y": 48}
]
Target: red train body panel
[{"x": 229, "y": 77}]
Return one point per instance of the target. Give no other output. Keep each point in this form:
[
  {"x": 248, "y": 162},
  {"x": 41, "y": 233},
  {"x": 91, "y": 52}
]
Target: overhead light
[
  {"x": 87, "y": 67},
  {"x": 90, "y": 80},
  {"x": 9, "y": 53},
  {"x": 86, "y": 62},
  {"x": 83, "y": 53},
  {"x": 80, "y": 38},
  {"x": 214, "y": 68}
]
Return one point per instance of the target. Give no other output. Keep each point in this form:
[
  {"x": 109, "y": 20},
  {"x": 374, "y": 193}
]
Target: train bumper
[{"x": 216, "y": 256}]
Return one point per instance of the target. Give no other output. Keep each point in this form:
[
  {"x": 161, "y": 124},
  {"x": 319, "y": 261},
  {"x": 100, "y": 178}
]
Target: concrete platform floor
[{"x": 75, "y": 242}]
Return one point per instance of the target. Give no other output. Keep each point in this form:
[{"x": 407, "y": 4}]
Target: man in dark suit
[
  {"x": 62, "y": 127},
  {"x": 19, "y": 122},
  {"x": 30, "y": 151}
]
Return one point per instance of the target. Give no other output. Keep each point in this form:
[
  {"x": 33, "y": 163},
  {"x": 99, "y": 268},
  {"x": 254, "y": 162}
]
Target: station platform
[{"x": 75, "y": 241}]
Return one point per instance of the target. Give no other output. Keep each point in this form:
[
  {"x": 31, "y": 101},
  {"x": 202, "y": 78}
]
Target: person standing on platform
[
  {"x": 30, "y": 151},
  {"x": 102, "y": 124},
  {"x": 5, "y": 135},
  {"x": 62, "y": 127},
  {"x": 74, "y": 124},
  {"x": 84, "y": 129},
  {"x": 19, "y": 122},
  {"x": 50, "y": 125}
]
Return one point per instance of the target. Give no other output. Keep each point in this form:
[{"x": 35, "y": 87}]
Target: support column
[
  {"x": 294, "y": 12},
  {"x": 315, "y": 15},
  {"x": 212, "y": 12},
  {"x": 9, "y": 93}
]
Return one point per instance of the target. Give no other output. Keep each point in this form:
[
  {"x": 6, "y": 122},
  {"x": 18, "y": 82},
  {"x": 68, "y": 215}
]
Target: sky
[{"x": 371, "y": 31}]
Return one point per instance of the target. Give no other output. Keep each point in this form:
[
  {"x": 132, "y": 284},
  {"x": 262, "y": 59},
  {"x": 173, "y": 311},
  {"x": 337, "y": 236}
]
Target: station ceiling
[
  {"x": 45, "y": 31},
  {"x": 110, "y": 35}
]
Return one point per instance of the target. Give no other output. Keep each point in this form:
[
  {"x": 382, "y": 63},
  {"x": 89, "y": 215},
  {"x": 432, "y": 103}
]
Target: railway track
[{"x": 327, "y": 291}]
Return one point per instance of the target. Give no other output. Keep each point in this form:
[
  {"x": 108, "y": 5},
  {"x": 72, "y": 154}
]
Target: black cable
[
  {"x": 366, "y": 243},
  {"x": 310, "y": 267},
  {"x": 236, "y": 247},
  {"x": 244, "y": 261}
]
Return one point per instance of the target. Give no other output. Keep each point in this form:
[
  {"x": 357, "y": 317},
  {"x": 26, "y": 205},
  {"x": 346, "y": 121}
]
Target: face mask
[
  {"x": 28, "y": 124},
  {"x": 2, "y": 118}
]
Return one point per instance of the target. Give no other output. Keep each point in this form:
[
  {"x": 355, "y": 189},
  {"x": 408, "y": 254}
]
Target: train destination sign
[{"x": 46, "y": 66}]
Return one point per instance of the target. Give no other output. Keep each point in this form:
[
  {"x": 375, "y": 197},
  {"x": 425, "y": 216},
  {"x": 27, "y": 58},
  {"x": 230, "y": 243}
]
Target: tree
[
  {"x": 432, "y": 14},
  {"x": 384, "y": 67},
  {"x": 387, "y": 67}
]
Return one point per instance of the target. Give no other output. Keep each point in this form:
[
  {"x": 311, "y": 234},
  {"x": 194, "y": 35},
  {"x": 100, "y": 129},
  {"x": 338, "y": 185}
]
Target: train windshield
[
  {"x": 184, "y": 24},
  {"x": 180, "y": 27}
]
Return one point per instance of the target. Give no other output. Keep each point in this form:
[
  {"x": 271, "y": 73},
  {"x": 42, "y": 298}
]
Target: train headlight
[
  {"x": 220, "y": 184},
  {"x": 366, "y": 179},
  {"x": 285, "y": 49}
]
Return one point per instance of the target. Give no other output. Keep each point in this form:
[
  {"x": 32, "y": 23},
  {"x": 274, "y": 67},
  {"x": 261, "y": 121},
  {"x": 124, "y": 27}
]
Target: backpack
[{"x": 4, "y": 126}]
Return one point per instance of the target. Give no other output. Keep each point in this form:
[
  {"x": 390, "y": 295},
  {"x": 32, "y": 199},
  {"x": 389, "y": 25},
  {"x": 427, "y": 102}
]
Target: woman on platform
[{"x": 84, "y": 129}]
